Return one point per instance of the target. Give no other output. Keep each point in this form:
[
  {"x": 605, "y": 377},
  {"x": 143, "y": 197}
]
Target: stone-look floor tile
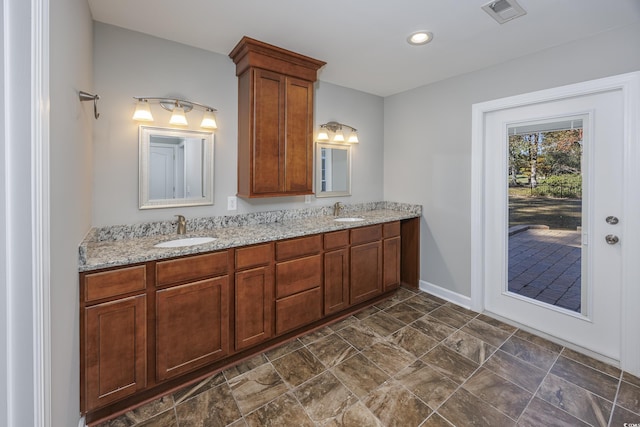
[
  {"x": 487, "y": 333},
  {"x": 575, "y": 400},
  {"x": 503, "y": 395},
  {"x": 349, "y": 321},
  {"x": 435, "y": 420},
  {"x": 430, "y": 386},
  {"x": 360, "y": 375},
  {"x": 316, "y": 335},
  {"x": 257, "y": 387},
  {"x": 382, "y": 323},
  {"x": 434, "y": 298},
  {"x": 423, "y": 304},
  {"x": 359, "y": 336},
  {"x": 450, "y": 316},
  {"x": 331, "y": 350},
  {"x": 388, "y": 357},
  {"x": 469, "y": 346},
  {"x": 539, "y": 341},
  {"x": 120, "y": 421},
  {"x": 465, "y": 409},
  {"x": 356, "y": 415},
  {"x": 449, "y": 363},
  {"x": 298, "y": 367},
  {"x": 540, "y": 413},
  {"x": 404, "y": 313},
  {"x": 324, "y": 397},
  {"x": 165, "y": 419},
  {"x": 433, "y": 328},
  {"x": 141, "y": 413},
  {"x": 461, "y": 309},
  {"x": 591, "y": 362},
  {"x": 412, "y": 340},
  {"x": 285, "y": 410},
  {"x": 394, "y": 405},
  {"x": 245, "y": 366},
  {"x": 515, "y": 370},
  {"x": 529, "y": 352},
  {"x": 621, "y": 416},
  {"x": 586, "y": 377},
  {"x": 214, "y": 407},
  {"x": 629, "y": 397},
  {"x": 497, "y": 323},
  {"x": 283, "y": 349},
  {"x": 363, "y": 314},
  {"x": 626, "y": 376},
  {"x": 204, "y": 385},
  {"x": 240, "y": 423}
]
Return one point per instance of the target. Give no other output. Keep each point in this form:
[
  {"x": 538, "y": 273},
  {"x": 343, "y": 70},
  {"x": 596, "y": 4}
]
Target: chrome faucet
[
  {"x": 182, "y": 224},
  {"x": 337, "y": 208}
]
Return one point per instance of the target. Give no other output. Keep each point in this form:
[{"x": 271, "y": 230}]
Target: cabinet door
[
  {"x": 391, "y": 263},
  {"x": 366, "y": 271},
  {"x": 192, "y": 326},
  {"x": 268, "y": 129},
  {"x": 336, "y": 281},
  {"x": 299, "y": 136},
  {"x": 115, "y": 342},
  {"x": 254, "y": 306}
]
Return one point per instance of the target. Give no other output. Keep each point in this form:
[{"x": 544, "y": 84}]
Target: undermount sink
[
  {"x": 349, "y": 219},
  {"x": 187, "y": 241}
]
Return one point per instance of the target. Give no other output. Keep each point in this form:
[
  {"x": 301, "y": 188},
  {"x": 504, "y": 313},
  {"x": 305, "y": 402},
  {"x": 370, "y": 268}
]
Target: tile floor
[{"x": 411, "y": 360}]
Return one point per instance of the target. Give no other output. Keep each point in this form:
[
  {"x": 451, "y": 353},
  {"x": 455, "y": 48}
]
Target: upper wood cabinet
[{"x": 275, "y": 120}]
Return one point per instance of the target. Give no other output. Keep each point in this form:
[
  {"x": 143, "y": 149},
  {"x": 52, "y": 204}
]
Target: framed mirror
[
  {"x": 176, "y": 167},
  {"x": 333, "y": 170}
]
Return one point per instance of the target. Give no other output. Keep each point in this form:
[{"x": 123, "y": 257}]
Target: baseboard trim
[{"x": 446, "y": 294}]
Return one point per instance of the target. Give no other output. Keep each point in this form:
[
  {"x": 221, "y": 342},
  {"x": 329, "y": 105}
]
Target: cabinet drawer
[
  {"x": 298, "y": 275},
  {"x": 191, "y": 268},
  {"x": 391, "y": 229},
  {"x": 366, "y": 234},
  {"x": 336, "y": 239},
  {"x": 253, "y": 256},
  {"x": 299, "y": 247},
  {"x": 112, "y": 283},
  {"x": 298, "y": 310}
]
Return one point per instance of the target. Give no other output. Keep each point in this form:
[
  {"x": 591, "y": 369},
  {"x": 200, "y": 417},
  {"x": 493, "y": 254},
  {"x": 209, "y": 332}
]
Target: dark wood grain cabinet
[
  {"x": 391, "y": 247},
  {"x": 365, "y": 263},
  {"x": 275, "y": 120},
  {"x": 336, "y": 271}
]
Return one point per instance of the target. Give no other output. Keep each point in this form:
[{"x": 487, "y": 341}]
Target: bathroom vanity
[{"x": 154, "y": 319}]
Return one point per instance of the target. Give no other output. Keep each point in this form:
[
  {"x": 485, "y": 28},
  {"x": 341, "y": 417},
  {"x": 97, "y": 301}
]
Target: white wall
[
  {"x": 128, "y": 64},
  {"x": 427, "y": 148},
  {"x": 71, "y": 176}
]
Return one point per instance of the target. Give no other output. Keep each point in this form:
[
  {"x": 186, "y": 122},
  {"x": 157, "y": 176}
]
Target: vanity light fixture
[
  {"x": 335, "y": 128},
  {"x": 178, "y": 108},
  {"x": 419, "y": 38}
]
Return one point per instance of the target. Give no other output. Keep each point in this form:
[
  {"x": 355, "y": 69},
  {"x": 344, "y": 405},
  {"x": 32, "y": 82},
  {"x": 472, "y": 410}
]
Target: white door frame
[{"x": 629, "y": 84}]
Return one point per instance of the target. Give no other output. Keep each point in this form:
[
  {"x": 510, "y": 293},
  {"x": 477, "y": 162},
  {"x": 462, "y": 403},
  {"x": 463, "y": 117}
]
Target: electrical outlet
[
  {"x": 232, "y": 203},
  {"x": 307, "y": 198}
]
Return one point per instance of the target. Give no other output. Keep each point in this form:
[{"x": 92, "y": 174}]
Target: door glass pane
[{"x": 545, "y": 212}]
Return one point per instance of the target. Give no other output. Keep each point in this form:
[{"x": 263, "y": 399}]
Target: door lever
[{"x": 611, "y": 239}]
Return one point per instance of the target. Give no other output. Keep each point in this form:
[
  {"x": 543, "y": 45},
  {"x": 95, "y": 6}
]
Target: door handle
[
  {"x": 612, "y": 220},
  {"x": 611, "y": 239}
]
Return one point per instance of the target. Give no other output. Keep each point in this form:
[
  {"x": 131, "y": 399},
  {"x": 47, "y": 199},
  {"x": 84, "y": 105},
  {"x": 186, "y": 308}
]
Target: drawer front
[
  {"x": 336, "y": 239},
  {"x": 296, "y": 248},
  {"x": 298, "y": 310},
  {"x": 298, "y": 275},
  {"x": 391, "y": 229},
  {"x": 254, "y": 256},
  {"x": 191, "y": 268},
  {"x": 366, "y": 234},
  {"x": 112, "y": 283}
]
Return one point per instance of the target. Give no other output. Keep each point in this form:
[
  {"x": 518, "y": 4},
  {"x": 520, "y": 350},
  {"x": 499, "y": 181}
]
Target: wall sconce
[
  {"x": 335, "y": 128},
  {"x": 178, "y": 108}
]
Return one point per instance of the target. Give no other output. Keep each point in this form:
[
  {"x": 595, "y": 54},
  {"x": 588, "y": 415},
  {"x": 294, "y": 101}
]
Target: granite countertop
[{"x": 122, "y": 245}]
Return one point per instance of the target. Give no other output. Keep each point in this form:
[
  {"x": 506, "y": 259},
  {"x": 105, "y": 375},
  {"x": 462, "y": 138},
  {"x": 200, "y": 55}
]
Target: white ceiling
[{"x": 364, "y": 41}]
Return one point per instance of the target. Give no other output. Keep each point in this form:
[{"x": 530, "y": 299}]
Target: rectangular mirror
[
  {"x": 333, "y": 170},
  {"x": 176, "y": 167}
]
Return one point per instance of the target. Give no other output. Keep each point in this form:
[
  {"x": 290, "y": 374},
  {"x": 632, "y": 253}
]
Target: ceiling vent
[{"x": 504, "y": 10}]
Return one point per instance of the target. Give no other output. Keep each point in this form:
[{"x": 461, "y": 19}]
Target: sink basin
[
  {"x": 187, "y": 241},
  {"x": 349, "y": 219}
]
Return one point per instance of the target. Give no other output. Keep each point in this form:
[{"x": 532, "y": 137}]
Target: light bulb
[
  {"x": 178, "y": 117},
  {"x": 143, "y": 112},
  {"x": 209, "y": 120}
]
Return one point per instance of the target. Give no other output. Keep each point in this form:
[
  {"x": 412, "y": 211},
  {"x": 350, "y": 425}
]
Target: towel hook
[{"x": 85, "y": 96}]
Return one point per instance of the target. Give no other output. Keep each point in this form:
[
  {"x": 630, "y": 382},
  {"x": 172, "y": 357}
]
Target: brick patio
[{"x": 545, "y": 265}]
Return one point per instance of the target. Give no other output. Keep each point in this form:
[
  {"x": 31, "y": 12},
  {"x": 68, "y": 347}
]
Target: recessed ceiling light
[{"x": 420, "y": 37}]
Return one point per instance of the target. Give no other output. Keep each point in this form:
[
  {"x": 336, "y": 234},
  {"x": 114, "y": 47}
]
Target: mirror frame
[
  {"x": 144, "y": 139},
  {"x": 319, "y": 147}
]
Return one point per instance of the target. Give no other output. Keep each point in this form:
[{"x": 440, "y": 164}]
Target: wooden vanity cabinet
[
  {"x": 113, "y": 341},
  {"x": 192, "y": 312},
  {"x": 253, "y": 295},
  {"x": 275, "y": 120},
  {"x": 365, "y": 263},
  {"x": 391, "y": 247},
  {"x": 336, "y": 271}
]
